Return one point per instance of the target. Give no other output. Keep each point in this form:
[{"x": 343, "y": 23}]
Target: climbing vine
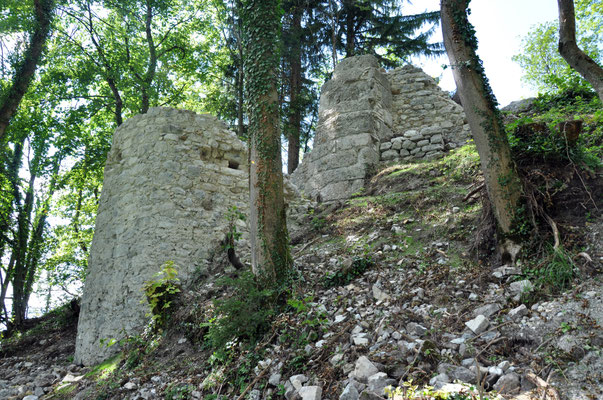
[
  {"x": 261, "y": 28},
  {"x": 505, "y": 189}
]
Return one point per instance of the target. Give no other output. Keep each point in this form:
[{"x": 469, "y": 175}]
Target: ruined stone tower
[
  {"x": 367, "y": 116},
  {"x": 170, "y": 178}
]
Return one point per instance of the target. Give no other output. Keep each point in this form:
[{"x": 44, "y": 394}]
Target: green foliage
[
  {"x": 243, "y": 316},
  {"x": 410, "y": 391},
  {"x": 233, "y": 216},
  {"x": 312, "y": 318},
  {"x": 555, "y": 273},
  {"x": 380, "y": 27},
  {"x": 344, "y": 275},
  {"x": 178, "y": 391},
  {"x": 551, "y": 145},
  {"x": 543, "y": 66},
  {"x": 160, "y": 292}
]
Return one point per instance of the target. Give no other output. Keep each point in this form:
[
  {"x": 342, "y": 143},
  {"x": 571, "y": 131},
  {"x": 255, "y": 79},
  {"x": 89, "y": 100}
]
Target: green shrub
[
  {"x": 550, "y": 145},
  {"x": 345, "y": 275},
  {"x": 244, "y": 315},
  {"x": 160, "y": 293},
  {"x": 556, "y": 272}
]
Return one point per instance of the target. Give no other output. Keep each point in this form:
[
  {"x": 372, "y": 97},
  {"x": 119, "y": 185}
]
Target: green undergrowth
[{"x": 551, "y": 145}]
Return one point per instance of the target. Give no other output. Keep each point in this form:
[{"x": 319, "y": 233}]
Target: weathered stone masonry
[
  {"x": 170, "y": 178},
  {"x": 367, "y": 115}
]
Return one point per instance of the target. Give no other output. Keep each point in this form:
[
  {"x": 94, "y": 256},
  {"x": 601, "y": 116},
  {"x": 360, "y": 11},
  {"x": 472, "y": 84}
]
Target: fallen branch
[
  {"x": 549, "y": 391},
  {"x": 252, "y": 384},
  {"x": 474, "y": 191}
]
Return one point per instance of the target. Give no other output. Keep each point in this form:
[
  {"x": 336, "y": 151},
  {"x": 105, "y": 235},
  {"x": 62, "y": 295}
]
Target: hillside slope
[{"x": 389, "y": 291}]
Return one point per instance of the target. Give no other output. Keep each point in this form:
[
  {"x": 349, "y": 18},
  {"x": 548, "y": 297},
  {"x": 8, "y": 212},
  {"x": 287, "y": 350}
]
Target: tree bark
[
  {"x": 152, "y": 67},
  {"x": 20, "y": 251},
  {"x": 502, "y": 182},
  {"x": 569, "y": 50},
  {"x": 295, "y": 87},
  {"x": 350, "y": 33},
  {"x": 26, "y": 69},
  {"x": 270, "y": 255}
]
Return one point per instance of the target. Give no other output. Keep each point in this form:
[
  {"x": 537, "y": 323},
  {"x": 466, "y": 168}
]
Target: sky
[{"x": 499, "y": 26}]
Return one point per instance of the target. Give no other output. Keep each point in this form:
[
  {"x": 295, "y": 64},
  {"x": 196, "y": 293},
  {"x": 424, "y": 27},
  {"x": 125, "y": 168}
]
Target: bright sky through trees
[{"x": 499, "y": 25}]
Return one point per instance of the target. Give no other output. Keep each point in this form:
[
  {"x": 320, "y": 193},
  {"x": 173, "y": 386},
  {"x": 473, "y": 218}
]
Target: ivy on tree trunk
[
  {"x": 270, "y": 255},
  {"x": 501, "y": 178},
  {"x": 26, "y": 69}
]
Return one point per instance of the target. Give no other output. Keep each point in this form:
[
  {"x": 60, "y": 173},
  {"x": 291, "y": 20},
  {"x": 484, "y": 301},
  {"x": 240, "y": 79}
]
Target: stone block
[
  {"x": 478, "y": 325},
  {"x": 389, "y": 155},
  {"x": 436, "y": 139},
  {"x": 385, "y": 146},
  {"x": 364, "y": 368},
  {"x": 432, "y": 147},
  {"x": 409, "y": 145}
]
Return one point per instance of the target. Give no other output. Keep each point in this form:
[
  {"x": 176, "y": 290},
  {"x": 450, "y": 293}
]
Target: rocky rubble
[{"x": 413, "y": 314}]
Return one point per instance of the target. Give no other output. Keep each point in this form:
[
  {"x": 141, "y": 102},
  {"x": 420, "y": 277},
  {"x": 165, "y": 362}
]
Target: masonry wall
[
  {"x": 368, "y": 116},
  {"x": 427, "y": 122},
  {"x": 354, "y": 114},
  {"x": 170, "y": 178}
]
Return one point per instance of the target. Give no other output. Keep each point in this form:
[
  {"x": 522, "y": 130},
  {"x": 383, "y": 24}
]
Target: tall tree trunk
[
  {"x": 334, "y": 27},
  {"x": 12, "y": 175},
  {"x": 26, "y": 69},
  {"x": 502, "y": 181},
  {"x": 350, "y": 35},
  {"x": 295, "y": 87},
  {"x": 20, "y": 251},
  {"x": 35, "y": 245},
  {"x": 269, "y": 239},
  {"x": 569, "y": 50},
  {"x": 152, "y": 67}
]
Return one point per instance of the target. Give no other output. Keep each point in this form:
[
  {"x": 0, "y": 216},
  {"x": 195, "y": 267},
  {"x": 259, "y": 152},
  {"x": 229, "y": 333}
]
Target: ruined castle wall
[
  {"x": 426, "y": 121},
  {"x": 368, "y": 116},
  {"x": 354, "y": 114},
  {"x": 170, "y": 178}
]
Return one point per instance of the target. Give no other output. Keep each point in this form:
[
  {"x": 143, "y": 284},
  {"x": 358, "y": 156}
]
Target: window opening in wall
[{"x": 233, "y": 164}]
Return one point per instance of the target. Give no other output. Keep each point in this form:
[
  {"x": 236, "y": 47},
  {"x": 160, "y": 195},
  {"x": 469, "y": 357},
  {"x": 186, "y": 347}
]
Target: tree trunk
[
  {"x": 269, "y": 239},
  {"x": 35, "y": 245},
  {"x": 569, "y": 50},
  {"x": 334, "y": 27},
  {"x": 20, "y": 252},
  {"x": 26, "y": 69},
  {"x": 350, "y": 35},
  {"x": 295, "y": 88},
  {"x": 502, "y": 182},
  {"x": 152, "y": 67}
]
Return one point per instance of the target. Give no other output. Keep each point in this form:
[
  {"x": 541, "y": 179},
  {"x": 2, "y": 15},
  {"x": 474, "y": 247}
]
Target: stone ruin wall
[
  {"x": 354, "y": 113},
  {"x": 172, "y": 175},
  {"x": 426, "y": 121},
  {"x": 367, "y": 116},
  {"x": 170, "y": 178}
]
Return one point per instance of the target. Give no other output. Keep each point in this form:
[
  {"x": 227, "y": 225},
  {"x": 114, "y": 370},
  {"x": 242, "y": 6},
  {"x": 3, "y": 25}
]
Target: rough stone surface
[
  {"x": 364, "y": 369},
  {"x": 354, "y": 113},
  {"x": 478, "y": 324},
  {"x": 349, "y": 393},
  {"x": 310, "y": 393},
  {"x": 170, "y": 178},
  {"x": 508, "y": 383},
  {"x": 366, "y": 116}
]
